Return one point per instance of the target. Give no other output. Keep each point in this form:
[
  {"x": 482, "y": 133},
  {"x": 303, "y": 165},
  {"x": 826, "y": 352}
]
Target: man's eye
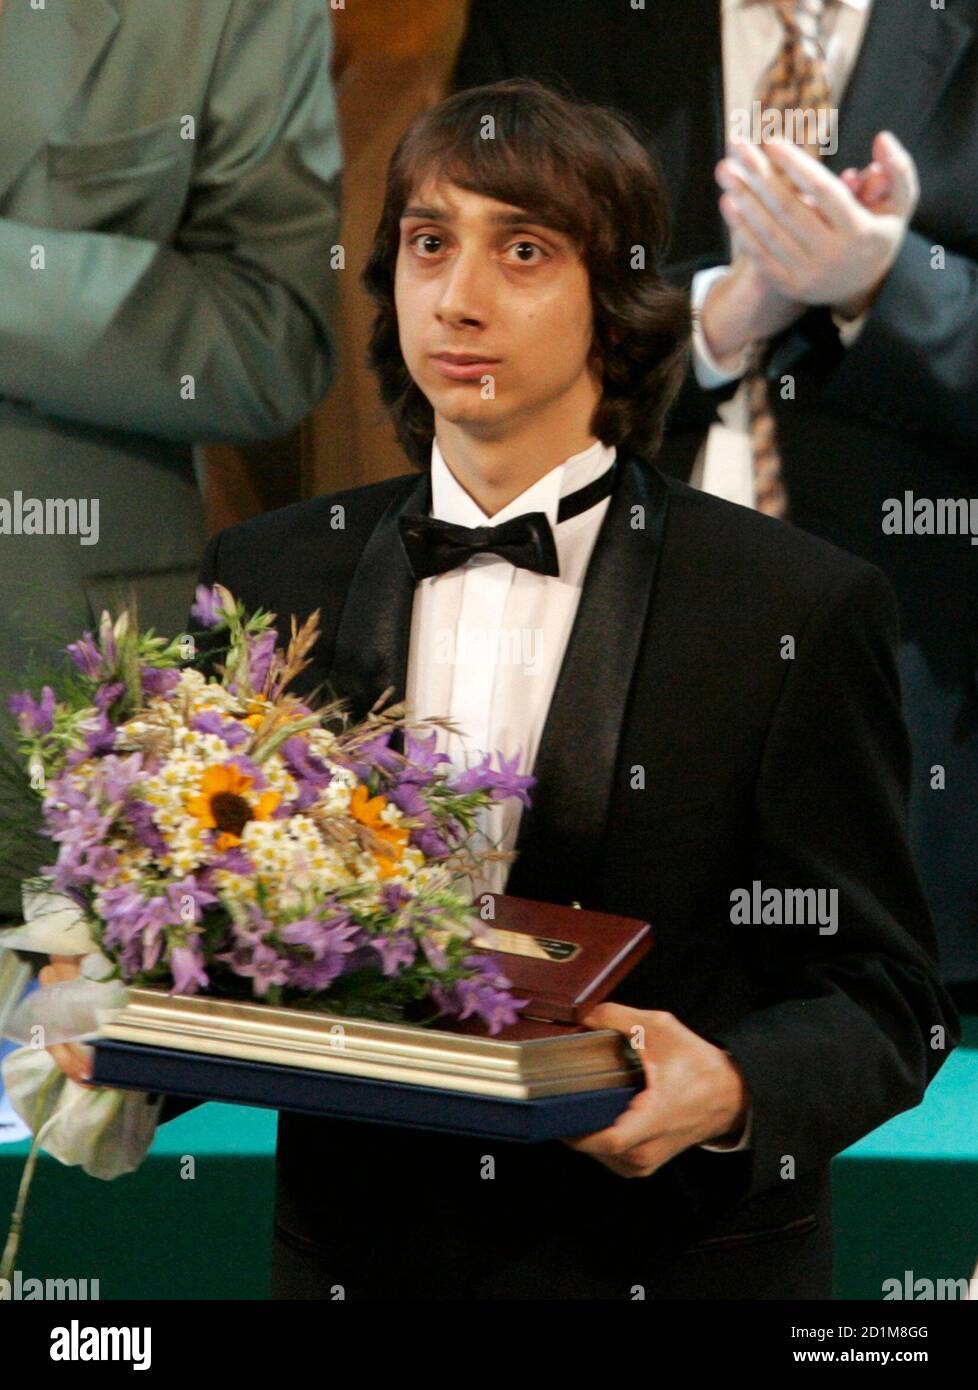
[
  {"x": 527, "y": 246},
  {"x": 424, "y": 236}
]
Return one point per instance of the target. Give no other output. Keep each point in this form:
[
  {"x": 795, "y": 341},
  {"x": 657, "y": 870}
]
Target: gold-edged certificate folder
[{"x": 545, "y": 1076}]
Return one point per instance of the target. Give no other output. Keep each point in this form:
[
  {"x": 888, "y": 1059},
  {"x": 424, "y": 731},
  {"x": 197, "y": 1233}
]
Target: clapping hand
[{"x": 816, "y": 237}]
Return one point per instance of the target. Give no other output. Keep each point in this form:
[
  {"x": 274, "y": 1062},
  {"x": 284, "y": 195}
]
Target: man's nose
[{"x": 464, "y": 290}]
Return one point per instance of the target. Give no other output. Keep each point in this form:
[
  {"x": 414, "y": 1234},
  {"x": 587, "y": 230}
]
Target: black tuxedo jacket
[
  {"x": 683, "y": 756},
  {"x": 897, "y": 411}
]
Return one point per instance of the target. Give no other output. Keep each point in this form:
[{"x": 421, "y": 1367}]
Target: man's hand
[
  {"x": 889, "y": 182},
  {"x": 744, "y": 306},
  {"x": 694, "y": 1094},
  {"x": 806, "y": 229},
  {"x": 70, "y": 1057}
]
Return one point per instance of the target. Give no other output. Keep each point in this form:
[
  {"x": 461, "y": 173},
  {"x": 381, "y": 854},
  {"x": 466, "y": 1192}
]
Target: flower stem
[{"x": 17, "y": 1219}]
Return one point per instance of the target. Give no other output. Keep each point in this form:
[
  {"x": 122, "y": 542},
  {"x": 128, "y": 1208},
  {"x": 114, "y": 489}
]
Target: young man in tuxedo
[
  {"x": 712, "y": 703},
  {"x": 869, "y": 329}
]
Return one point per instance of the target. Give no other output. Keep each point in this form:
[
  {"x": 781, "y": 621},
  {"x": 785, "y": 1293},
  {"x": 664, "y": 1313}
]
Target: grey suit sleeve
[
  {"x": 243, "y": 300},
  {"x": 914, "y": 366}
]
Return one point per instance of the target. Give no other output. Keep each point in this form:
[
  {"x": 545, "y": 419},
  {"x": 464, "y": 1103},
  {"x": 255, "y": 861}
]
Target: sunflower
[
  {"x": 366, "y": 809},
  {"x": 223, "y": 806}
]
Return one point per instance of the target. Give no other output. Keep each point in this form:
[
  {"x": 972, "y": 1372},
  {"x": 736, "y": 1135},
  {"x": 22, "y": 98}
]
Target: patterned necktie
[{"x": 796, "y": 80}]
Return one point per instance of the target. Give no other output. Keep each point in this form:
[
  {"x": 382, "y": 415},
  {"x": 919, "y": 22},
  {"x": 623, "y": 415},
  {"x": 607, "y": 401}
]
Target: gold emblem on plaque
[{"x": 515, "y": 943}]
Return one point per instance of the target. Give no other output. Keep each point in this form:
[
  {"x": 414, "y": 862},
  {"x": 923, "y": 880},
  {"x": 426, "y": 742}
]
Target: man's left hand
[
  {"x": 694, "y": 1094},
  {"x": 805, "y": 227}
]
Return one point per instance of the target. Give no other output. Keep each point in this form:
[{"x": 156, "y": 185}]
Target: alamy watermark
[
  {"x": 86, "y": 1343},
  {"x": 50, "y": 516},
  {"x": 758, "y": 906},
  {"x": 807, "y": 126},
  {"x": 910, "y": 1287},
  {"x": 490, "y": 647},
  {"x": 931, "y": 516},
  {"x": 31, "y": 1289}
]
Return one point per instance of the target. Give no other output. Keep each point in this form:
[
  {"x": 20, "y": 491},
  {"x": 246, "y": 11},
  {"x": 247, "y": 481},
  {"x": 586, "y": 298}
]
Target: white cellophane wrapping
[{"x": 104, "y": 1130}]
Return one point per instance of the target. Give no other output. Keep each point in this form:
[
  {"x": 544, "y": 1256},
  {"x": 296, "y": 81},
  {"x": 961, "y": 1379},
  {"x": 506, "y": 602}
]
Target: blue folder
[{"x": 135, "y": 1066}]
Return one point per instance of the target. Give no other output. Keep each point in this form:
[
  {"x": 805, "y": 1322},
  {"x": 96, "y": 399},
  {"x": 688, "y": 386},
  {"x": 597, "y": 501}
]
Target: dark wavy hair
[{"x": 580, "y": 169}]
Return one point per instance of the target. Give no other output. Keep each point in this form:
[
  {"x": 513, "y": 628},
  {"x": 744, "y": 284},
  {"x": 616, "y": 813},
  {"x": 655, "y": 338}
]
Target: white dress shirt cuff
[
  {"x": 711, "y": 371},
  {"x": 744, "y": 1142}
]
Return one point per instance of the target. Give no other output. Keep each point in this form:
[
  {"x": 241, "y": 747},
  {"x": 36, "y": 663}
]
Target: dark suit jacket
[
  {"x": 788, "y": 771},
  {"x": 897, "y": 411}
]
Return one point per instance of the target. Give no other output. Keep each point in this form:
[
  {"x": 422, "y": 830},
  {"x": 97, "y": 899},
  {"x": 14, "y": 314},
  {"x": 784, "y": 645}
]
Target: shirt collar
[{"x": 450, "y": 501}]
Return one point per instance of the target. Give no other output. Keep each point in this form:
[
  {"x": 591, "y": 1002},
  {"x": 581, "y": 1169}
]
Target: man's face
[{"x": 478, "y": 278}]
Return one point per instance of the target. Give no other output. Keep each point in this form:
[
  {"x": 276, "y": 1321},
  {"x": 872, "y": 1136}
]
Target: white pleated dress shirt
[
  {"x": 488, "y": 639},
  {"x": 751, "y": 33}
]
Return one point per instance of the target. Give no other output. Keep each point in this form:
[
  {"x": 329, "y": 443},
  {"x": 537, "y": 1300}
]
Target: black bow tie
[{"x": 434, "y": 547}]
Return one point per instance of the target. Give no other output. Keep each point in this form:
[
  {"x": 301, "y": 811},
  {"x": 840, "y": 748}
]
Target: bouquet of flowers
[{"x": 216, "y": 833}]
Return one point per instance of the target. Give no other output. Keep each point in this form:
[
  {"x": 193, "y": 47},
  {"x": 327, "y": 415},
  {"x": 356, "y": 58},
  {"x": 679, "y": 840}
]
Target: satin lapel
[
  {"x": 371, "y": 650},
  {"x": 45, "y": 56},
  {"x": 907, "y": 58},
  {"x": 561, "y": 834}
]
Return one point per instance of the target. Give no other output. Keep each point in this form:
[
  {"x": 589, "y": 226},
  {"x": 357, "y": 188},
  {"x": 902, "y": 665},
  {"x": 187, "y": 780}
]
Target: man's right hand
[
  {"x": 744, "y": 307},
  {"x": 807, "y": 229},
  {"x": 70, "y": 1057}
]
